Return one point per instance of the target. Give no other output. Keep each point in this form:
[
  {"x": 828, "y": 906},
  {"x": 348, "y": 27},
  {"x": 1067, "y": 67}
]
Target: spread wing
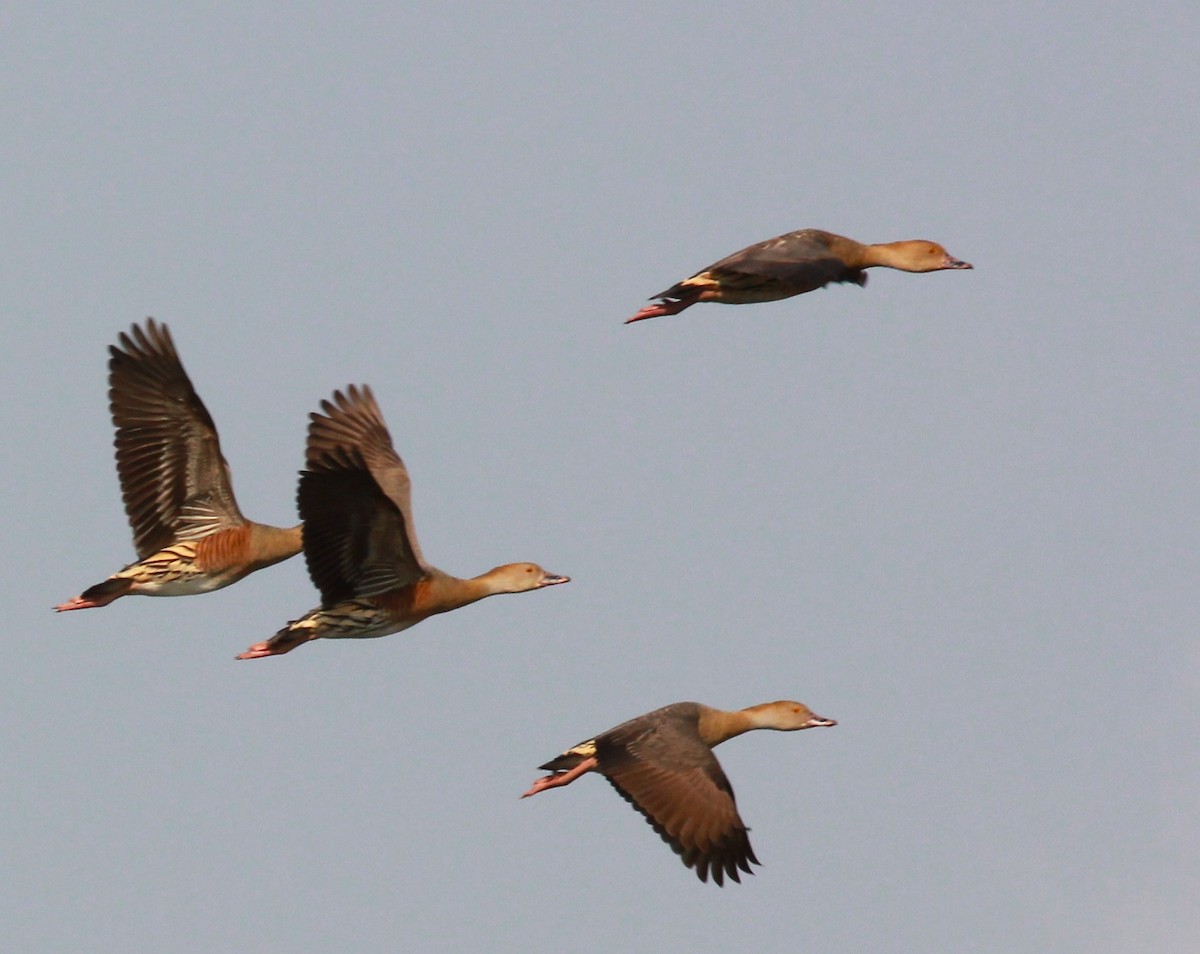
[
  {"x": 354, "y": 499},
  {"x": 667, "y": 773},
  {"x": 174, "y": 481}
]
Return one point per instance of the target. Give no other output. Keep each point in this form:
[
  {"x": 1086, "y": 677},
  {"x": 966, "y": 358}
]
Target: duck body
[
  {"x": 188, "y": 532},
  {"x": 386, "y": 614},
  {"x": 792, "y": 264},
  {"x": 662, "y": 763},
  {"x": 359, "y": 542},
  {"x": 190, "y": 567}
]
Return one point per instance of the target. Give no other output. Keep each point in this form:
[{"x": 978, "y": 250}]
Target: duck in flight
[
  {"x": 662, "y": 763},
  {"x": 359, "y": 541},
  {"x": 188, "y": 532},
  {"x": 793, "y": 264}
]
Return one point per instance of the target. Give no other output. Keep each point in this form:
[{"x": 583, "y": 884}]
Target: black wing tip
[
  {"x": 722, "y": 868},
  {"x": 141, "y": 342},
  {"x": 351, "y": 420},
  {"x": 723, "y": 860},
  {"x": 355, "y": 403},
  {"x": 345, "y": 400}
]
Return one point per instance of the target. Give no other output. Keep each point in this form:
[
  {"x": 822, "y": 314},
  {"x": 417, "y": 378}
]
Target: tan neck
[
  {"x": 887, "y": 254},
  {"x": 445, "y": 592},
  {"x": 717, "y": 725},
  {"x": 270, "y": 545},
  {"x": 853, "y": 254}
]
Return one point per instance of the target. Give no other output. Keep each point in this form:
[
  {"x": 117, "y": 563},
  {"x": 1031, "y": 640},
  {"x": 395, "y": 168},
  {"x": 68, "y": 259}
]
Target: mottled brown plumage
[
  {"x": 662, "y": 763},
  {"x": 359, "y": 541},
  {"x": 189, "y": 535},
  {"x": 793, "y": 264}
]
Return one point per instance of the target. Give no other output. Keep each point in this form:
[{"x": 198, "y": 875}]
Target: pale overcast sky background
[{"x": 956, "y": 512}]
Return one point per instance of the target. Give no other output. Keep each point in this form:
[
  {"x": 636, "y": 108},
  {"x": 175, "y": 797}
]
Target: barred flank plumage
[
  {"x": 189, "y": 535},
  {"x": 359, "y": 542}
]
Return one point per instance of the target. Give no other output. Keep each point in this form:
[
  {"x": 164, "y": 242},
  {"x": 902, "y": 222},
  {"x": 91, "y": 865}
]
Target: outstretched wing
[
  {"x": 659, "y": 765},
  {"x": 174, "y": 480},
  {"x": 354, "y": 499}
]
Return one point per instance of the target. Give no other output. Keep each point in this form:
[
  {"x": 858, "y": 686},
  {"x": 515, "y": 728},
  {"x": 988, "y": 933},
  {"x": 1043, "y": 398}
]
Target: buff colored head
[{"x": 522, "y": 577}]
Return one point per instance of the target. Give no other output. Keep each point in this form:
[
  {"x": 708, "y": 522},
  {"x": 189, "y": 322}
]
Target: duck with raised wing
[
  {"x": 189, "y": 535},
  {"x": 662, "y": 763},
  {"x": 793, "y": 264},
  {"x": 359, "y": 541}
]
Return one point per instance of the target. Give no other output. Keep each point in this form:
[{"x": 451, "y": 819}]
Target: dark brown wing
[
  {"x": 800, "y": 261},
  {"x": 354, "y": 499},
  {"x": 661, "y": 767},
  {"x": 174, "y": 481}
]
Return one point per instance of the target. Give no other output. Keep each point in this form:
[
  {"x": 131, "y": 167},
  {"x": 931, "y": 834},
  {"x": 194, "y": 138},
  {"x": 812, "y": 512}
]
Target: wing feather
[
  {"x": 174, "y": 480},
  {"x": 801, "y": 261},
  {"x": 659, "y": 764},
  {"x": 355, "y": 500}
]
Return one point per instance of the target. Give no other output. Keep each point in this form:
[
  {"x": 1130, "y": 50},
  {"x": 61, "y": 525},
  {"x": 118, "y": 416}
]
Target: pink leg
[
  {"x": 257, "y": 651},
  {"x": 660, "y": 308},
  {"x": 77, "y": 603},
  {"x": 99, "y": 595},
  {"x": 277, "y": 645},
  {"x": 562, "y": 778}
]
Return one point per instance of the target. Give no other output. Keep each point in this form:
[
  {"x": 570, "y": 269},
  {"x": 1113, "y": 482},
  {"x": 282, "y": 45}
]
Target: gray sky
[{"x": 956, "y": 512}]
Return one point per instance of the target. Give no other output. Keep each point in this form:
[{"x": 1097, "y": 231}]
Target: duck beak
[
  {"x": 956, "y": 263},
  {"x": 552, "y": 579},
  {"x": 816, "y": 720}
]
